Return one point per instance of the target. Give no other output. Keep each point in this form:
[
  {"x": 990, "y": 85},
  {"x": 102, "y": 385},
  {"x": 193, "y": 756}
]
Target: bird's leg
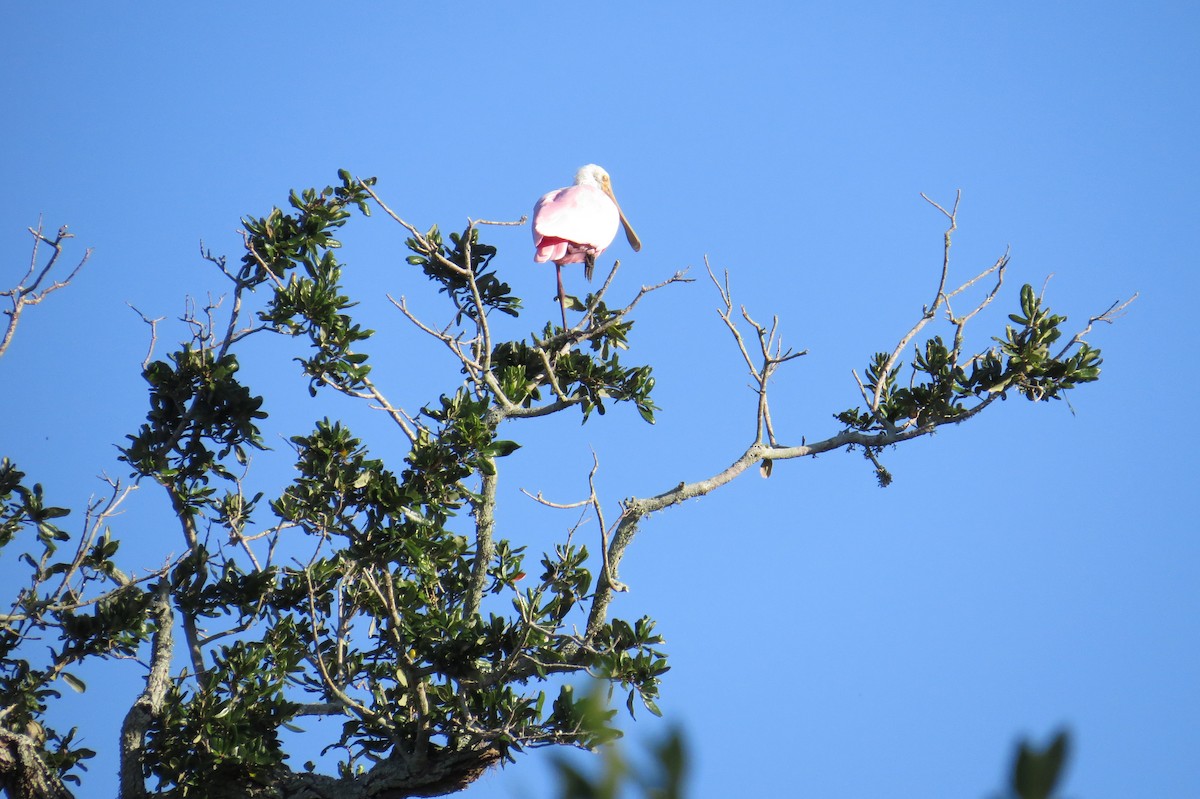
[
  {"x": 589, "y": 264},
  {"x": 562, "y": 297}
]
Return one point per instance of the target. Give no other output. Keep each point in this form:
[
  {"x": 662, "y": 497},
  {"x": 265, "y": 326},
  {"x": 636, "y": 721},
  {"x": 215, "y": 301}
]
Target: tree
[{"x": 378, "y": 593}]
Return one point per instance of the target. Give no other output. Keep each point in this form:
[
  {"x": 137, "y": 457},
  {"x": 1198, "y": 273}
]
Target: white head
[{"x": 594, "y": 175}]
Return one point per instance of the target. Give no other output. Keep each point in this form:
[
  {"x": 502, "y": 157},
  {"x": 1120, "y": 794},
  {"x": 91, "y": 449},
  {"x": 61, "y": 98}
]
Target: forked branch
[
  {"x": 762, "y": 366},
  {"x": 35, "y": 285},
  {"x": 769, "y": 355}
]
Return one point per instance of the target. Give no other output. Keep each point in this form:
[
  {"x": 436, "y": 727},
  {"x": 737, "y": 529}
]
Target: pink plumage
[
  {"x": 577, "y": 223},
  {"x": 570, "y": 223}
]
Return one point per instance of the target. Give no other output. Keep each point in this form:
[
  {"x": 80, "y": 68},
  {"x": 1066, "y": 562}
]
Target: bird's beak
[{"x": 634, "y": 241}]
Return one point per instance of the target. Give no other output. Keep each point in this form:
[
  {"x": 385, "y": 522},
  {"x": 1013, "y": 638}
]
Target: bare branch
[
  {"x": 960, "y": 323},
  {"x": 405, "y": 422},
  {"x": 29, "y": 290},
  {"x": 513, "y": 223},
  {"x": 610, "y": 576},
  {"x": 1114, "y": 311},
  {"x": 416, "y": 233},
  {"x": 930, "y": 310},
  {"x": 771, "y": 353},
  {"x": 538, "y": 498},
  {"x": 153, "y": 324}
]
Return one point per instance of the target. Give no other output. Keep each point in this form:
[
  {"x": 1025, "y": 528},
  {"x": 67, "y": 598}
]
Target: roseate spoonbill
[{"x": 577, "y": 223}]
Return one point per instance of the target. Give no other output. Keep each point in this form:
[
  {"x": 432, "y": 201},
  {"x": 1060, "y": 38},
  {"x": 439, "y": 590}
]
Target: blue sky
[{"x": 1030, "y": 569}]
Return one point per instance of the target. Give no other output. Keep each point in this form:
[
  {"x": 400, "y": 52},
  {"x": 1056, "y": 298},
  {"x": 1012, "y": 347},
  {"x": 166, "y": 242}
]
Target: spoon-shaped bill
[{"x": 634, "y": 241}]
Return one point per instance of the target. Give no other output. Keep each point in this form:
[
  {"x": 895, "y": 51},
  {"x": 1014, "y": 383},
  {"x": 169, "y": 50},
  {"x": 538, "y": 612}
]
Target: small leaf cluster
[
  {"x": 207, "y": 586},
  {"x": 589, "y": 715},
  {"x": 54, "y": 599},
  {"x": 22, "y": 506},
  {"x": 301, "y": 248},
  {"x": 619, "y": 652},
  {"x": 943, "y": 387},
  {"x": 115, "y": 624},
  {"x": 598, "y": 375},
  {"x": 278, "y": 242},
  {"x": 1030, "y": 368},
  {"x": 225, "y": 729},
  {"x": 199, "y": 414},
  {"x": 24, "y": 693},
  {"x": 565, "y": 581},
  {"x": 631, "y": 657},
  {"x": 462, "y": 269},
  {"x": 339, "y": 490},
  {"x": 587, "y": 376},
  {"x": 458, "y": 440}
]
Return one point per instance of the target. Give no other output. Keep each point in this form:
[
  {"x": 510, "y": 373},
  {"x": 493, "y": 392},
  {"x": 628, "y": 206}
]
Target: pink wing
[{"x": 582, "y": 215}]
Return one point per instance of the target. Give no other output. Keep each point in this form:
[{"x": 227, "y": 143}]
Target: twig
[
  {"x": 538, "y": 498},
  {"x": 1113, "y": 312},
  {"x": 153, "y": 323},
  {"x": 610, "y": 574},
  {"x": 28, "y": 290},
  {"x": 930, "y": 310},
  {"x": 769, "y": 361},
  {"x": 514, "y": 223}
]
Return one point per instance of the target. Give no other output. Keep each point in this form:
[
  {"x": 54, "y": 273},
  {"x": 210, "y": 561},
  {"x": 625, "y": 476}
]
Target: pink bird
[{"x": 576, "y": 224}]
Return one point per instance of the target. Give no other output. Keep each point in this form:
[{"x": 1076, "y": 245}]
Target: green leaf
[
  {"x": 1035, "y": 774},
  {"x": 502, "y": 448},
  {"x": 77, "y": 684}
]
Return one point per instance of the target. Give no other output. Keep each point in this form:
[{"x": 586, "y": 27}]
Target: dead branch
[{"x": 30, "y": 289}]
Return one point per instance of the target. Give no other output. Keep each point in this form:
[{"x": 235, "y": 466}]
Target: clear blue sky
[{"x": 1031, "y": 569}]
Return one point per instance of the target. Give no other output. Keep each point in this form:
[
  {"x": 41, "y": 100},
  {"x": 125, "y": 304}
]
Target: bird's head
[{"x": 594, "y": 175}]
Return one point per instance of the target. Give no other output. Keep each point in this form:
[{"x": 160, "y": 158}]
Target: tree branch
[
  {"x": 29, "y": 290},
  {"x": 149, "y": 703},
  {"x": 485, "y": 547}
]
